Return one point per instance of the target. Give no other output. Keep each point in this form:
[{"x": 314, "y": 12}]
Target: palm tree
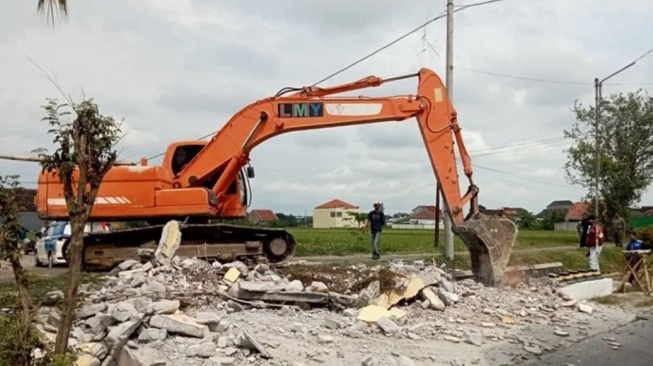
[{"x": 49, "y": 7}]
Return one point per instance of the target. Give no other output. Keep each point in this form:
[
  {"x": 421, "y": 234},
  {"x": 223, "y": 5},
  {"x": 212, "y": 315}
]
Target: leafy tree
[
  {"x": 84, "y": 155},
  {"x": 19, "y": 339},
  {"x": 49, "y": 7},
  {"x": 526, "y": 220},
  {"x": 359, "y": 217},
  {"x": 552, "y": 217},
  {"x": 286, "y": 220},
  {"x": 626, "y": 151}
]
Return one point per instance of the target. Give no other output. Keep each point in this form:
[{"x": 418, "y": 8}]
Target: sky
[{"x": 179, "y": 69}]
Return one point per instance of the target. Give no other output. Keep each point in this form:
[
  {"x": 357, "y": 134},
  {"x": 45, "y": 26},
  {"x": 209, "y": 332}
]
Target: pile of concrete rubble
[
  {"x": 164, "y": 310},
  {"x": 178, "y": 312}
]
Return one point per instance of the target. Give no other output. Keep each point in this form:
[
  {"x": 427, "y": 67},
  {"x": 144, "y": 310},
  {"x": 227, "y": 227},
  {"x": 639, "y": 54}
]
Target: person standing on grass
[
  {"x": 375, "y": 221},
  {"x": 582, "y": 227},
  {"x": 618, "y": 229},
  {"x": 594, "y": 242}
]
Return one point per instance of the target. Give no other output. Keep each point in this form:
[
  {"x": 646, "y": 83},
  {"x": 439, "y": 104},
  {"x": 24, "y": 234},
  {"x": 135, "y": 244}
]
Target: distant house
[
  {"x": 262, "y": 216},
  {"x": 424, "y": 215},
  {"x": 573, "y": 217},
  {"x": 562, "y": 207},
  {"x": 333, "y": 214},
  {"x": 511, "y": 212}
]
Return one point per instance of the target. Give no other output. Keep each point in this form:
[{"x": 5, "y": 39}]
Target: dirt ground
[{"x": 6, "y": 274}]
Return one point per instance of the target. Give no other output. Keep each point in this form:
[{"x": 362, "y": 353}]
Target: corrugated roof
[
  {"x": 262, "y": 215},
  {"x": 336, "y": 203},
  {"x": 577, "y": 210}
]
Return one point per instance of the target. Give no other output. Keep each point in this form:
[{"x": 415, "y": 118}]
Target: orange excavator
[{"x": 200, "y": 181}]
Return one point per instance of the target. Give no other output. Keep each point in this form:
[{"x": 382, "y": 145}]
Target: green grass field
[{"x": 314, "y": 242}]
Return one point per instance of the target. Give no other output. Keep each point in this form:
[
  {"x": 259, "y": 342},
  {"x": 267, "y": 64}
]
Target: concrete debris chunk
[
  {"x": 401, "y": 360},
  {"x": 388, "y": 326},
  {"x": 90, "y": 310},
  {"x": 240, "y": 266},
  {"x": 163, "y": 307},
  {"x": 87, "y": 360},
  {"x": 123, "y": 311},
  {"x": 207, "y": 318},
  {"x": 247, "y": 341},
  {"x": 152, "y": 335},
  {"x": 294, "y": 286},
  {"x": 317, "y": 286},
  {"x": 584, "y": 308},
  {"x": 433, "y": 301},
  {"x": 179, "y": 324},
  {"x": 474, "y": 338},
  {"x": 169, "y": 242}
]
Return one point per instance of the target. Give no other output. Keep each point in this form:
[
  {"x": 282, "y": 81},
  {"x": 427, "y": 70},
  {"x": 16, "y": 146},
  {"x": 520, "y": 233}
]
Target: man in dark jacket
[
  {"x": 375, "y": 221},
  {"x": 582, "y": 227}
]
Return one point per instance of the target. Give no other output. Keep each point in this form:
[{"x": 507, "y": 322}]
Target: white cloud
[{"x": 181, "y": 69}]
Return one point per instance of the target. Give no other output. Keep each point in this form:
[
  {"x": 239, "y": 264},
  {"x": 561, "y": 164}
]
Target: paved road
[{"x": 635, "y": 350}]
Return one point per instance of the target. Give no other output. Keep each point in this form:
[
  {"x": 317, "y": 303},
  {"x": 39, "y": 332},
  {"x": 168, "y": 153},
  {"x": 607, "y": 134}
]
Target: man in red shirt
[{"x": 594, "y": 242}]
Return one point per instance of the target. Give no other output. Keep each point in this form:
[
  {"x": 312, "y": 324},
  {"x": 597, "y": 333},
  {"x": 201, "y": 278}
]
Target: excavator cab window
[{"x": 183, "y": 155}]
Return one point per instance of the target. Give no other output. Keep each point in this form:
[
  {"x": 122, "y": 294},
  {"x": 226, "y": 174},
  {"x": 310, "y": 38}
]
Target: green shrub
[{"x": 645, "y": 234}]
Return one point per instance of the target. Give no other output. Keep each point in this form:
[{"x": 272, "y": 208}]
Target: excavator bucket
[{"x": 489, "y": 241}]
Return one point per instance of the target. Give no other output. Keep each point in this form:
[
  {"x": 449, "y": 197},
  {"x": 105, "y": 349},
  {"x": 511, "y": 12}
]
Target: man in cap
[{"x": 375, "y": 221}]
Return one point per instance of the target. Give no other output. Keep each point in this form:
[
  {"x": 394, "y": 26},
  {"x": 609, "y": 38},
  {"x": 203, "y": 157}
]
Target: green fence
[{"x": 639, "y": 222}]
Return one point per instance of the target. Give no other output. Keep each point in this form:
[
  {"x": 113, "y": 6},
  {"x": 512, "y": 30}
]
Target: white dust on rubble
[
  {"x": 165, "y": 310},
  {"x": 191, "y": 312}
]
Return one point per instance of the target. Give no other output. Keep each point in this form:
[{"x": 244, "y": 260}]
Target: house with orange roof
[
  {"x": 573, "y": 217},
  {"x": 335, "y": 213},
  {"x": 424, "y": 215},
  {"x": 262, "y": 216}
]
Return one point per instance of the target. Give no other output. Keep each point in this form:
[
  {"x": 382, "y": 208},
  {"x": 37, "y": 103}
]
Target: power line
[
  {"x": 522, "y": 144},
  {"x": 568, "y": 82},
  {"x": 423, "y": 25},
  {"x": 442, "y": 15}
]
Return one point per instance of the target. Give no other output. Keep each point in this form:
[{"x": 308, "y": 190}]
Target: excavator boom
[{"x": 203, "y": 185}]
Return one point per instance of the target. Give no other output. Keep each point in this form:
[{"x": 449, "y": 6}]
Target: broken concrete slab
[
  {"x": 88, "y": 311},
  {"x": 179, "y": 324},
  {"x": 169, "y": 242},
  {"x": 589, "y": 289},
  {"x": 163, "y": 307}
]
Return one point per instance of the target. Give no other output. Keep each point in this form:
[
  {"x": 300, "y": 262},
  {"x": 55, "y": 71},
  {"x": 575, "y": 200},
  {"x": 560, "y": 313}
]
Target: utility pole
[
  {"x": 598, "y": 96},
  {"x": 448, "y": 233}
]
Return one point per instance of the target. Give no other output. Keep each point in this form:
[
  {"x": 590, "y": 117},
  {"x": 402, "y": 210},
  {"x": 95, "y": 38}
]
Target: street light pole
[{"x": 597, "y": 116}]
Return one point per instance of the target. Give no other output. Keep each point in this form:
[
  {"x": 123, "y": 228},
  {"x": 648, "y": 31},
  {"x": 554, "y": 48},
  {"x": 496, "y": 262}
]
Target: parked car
[{"x": 49, "y": 246}]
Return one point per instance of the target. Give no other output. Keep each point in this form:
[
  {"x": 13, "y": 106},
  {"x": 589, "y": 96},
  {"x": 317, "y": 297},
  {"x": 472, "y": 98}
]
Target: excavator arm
[
  {"x": 316, "y": 108},
  {"x": 199, "y": 180},
  {"x": 488, "y": 239}
]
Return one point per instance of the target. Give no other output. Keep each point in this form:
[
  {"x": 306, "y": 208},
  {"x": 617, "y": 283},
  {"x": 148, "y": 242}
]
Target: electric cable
[
  {"x": 442, "y": 15},
  {"x": 544, "y": 80}
]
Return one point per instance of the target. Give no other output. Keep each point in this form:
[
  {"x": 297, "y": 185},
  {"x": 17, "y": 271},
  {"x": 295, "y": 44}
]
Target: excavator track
[{"x": 222, "y": 242}]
